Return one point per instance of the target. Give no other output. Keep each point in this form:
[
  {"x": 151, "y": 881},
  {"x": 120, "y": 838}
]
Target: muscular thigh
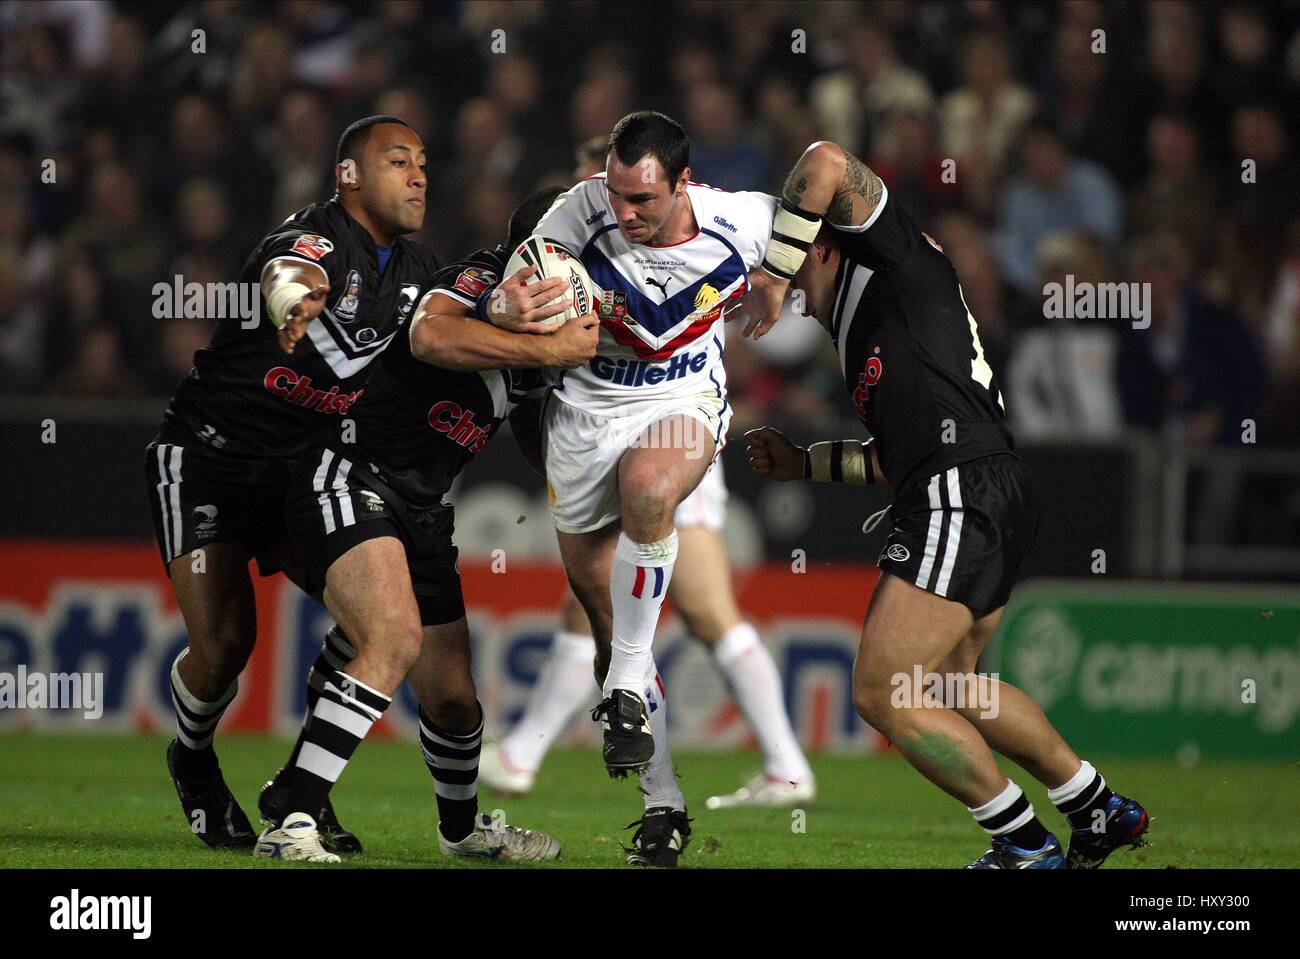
[
  {"x": 215, "y": 594},
  {"x": 368, "y": 590},
  {"x": 908, "y": 627},
  {"x": 667, "y": 462}
]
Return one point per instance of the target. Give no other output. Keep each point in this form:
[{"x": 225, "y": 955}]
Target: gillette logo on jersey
[
  {"x": 643, "y": 373},
  {"x": 458, "y": 423},
  {"x": 660, "y": 326},
  {"x": 295, "y": 389}
]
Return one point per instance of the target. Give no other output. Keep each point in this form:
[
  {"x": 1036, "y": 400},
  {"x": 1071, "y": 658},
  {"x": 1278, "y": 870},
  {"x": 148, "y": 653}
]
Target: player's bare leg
[
  {"x": 215, "y": 597},
  {"x": 908, "y": 630},
  {"x": 664, "y": 829},
  {"x": 703, "y": 596},
  {"x": 908, "y": 627},
  {"x": 1016, "y": 728},
  {"x": 451, "y": 735},
  {"x": 1101, "y": 821},
  {"x": 368, "y": 591},
  {"x": 666, "y": 461}
]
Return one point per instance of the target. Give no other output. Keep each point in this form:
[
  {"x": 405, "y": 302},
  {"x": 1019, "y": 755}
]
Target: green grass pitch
[{"x": 73, "y": 801}]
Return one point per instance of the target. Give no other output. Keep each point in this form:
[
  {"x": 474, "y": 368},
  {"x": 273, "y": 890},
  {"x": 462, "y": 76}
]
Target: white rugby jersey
[{"x": 660, "y": 307}]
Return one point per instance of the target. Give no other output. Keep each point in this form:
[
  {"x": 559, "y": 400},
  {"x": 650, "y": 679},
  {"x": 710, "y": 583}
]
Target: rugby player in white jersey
[
  {"x": 702, "y": 594},
  {"x": 629, "y": 435}
]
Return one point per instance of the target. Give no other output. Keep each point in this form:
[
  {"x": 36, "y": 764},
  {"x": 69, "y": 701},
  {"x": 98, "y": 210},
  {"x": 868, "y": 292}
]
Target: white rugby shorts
[{"x": 583, "y": 451}]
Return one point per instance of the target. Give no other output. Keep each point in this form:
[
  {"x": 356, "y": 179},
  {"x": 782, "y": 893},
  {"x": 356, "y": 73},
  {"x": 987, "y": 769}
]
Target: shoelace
[{"x": 875, "y": 519}]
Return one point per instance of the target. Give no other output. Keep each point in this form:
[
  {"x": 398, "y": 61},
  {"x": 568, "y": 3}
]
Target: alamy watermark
[
  {"x": 945, "y": 691},
  {"x": 675, "y": 431},
  {"x": 34, "y": 690},
  {"x": 208, "y": 301},
  {"x": 1098, "y": 301}
]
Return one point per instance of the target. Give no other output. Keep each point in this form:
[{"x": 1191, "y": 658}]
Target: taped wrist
[
  {"x": 793, "y": 231},
  {"x": 482, "y": 303},
  {"x": 840, "y": 461},
  {"x": 282, "y": 298}
]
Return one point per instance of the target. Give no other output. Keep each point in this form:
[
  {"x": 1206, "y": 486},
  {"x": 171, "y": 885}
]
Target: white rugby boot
[
  {"x": 763, "y": 790},
  {"x": 493, "y": 839},
  {"x": 298, "y": 839},
  {"x": 495, "y": 771}
]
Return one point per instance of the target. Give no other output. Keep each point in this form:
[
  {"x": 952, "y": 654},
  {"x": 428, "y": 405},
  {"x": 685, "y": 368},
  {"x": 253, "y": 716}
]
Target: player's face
[
  {"x": 816, "y": 282},
  {"x": 392, "y": 178},
  {"x": 641, "y": 196}
]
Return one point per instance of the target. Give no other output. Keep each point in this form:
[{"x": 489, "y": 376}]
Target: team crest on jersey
[
  {"x": 312, "y": 246},
  {"x": 406, "y": 300},
  {"x": 613, "y": 303},
  {"x": 346, "y": 308},
  {"x": 474, "y": 282},
  {"x": 707, "y": 297}
]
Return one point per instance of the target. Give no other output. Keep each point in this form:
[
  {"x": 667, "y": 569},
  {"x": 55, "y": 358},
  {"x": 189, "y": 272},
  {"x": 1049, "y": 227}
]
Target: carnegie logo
[
  {"x": 295, "y": 389},
  {"x": 724, "y": 224},
  {"x": 595, "y": 217},
  {"x": 458, "y": 423},
  {"x": 645, "y": 373}
]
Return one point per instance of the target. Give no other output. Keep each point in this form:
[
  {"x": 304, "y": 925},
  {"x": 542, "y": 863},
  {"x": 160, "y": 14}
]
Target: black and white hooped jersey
[
  {"x": 248, "y": 397},
  {"x": 418, "y": 425},
  {"x": 660, "y": 307},
  {"x": 910, "y": 350}
]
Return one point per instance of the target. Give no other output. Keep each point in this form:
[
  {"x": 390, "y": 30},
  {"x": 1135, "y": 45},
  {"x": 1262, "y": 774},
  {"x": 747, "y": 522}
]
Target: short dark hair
[
  {"x": 649, "y": 132},
  {"x": 354, "y": 138},
  {"x": 524, "y": 220}
]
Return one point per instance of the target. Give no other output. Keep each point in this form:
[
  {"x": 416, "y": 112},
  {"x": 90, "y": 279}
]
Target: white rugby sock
[
  {"x": 748, "y": 669},
  {"x": 659, "y": 781},
  {"x": 565, "y": 685},
  {"x": 638, "y": 586}
]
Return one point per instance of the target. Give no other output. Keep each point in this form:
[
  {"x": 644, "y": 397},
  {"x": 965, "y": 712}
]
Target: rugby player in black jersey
[
  {"x": 366, "y": 511},
  {"x": 337, "y": 283},
  {"x": 963, "y": 516}
]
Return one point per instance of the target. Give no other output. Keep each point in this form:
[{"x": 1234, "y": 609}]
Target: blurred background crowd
[{"x": 1159, "y": 150}]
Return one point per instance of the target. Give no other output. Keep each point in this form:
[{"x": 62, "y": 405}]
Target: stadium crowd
[{"x": 1145, "y": 143}]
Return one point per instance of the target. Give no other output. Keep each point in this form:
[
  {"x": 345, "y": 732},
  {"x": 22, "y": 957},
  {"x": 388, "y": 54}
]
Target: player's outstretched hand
[
  {"x": 300, "y": 314},
  {"x": 520, "y": 306},
  {"x": 763, "y": 302},
  {"x": 575, "y": 342},
  {"x": 772, "y": 454}
]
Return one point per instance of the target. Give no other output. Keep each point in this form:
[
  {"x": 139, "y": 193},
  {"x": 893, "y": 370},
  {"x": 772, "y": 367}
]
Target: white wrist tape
[
  {"x": 282, "y": 298},
  {"x": 840, "y": 461},
  {"x": 793, "y": 230}
]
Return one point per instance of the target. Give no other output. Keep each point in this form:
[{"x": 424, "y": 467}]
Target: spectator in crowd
[
  {"x": 980, "y": 121},
  {"x": 853, "y": 102},
  {"x": 722, "y": 152},
  {"x": 1177, "y": 194},
  {"x": 1057, "y": 192},
  {"x": 1061, "y": 378},
  {"x": 924, "y": 180},
  {"x": 1196, "y": 373}
]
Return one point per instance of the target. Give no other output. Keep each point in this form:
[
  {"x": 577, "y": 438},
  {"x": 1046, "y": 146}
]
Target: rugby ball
[{"x": 553, "y": 259}]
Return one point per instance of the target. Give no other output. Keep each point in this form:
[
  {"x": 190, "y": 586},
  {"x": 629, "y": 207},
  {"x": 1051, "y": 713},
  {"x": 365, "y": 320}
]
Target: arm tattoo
[
  {"x": 858, "y": 181},
  {"x": 796, "y": 183}
]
